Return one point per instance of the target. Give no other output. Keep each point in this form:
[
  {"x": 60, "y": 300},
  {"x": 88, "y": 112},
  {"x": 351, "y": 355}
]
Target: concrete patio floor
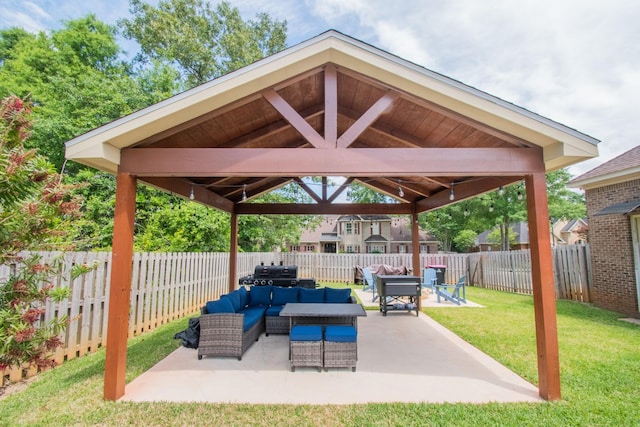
[{"x": 401, "y": 358}]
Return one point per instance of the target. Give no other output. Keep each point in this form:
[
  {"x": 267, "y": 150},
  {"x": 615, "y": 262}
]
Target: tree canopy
[{"x": 200, "y": 41}]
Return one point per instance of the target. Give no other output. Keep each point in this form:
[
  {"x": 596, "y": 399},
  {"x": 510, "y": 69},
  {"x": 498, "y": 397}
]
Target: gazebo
[{"x": 332, "y": 106}]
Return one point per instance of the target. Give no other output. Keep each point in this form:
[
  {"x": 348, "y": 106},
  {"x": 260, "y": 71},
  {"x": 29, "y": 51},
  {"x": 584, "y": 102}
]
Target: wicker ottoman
[
  {"x": 340, "y": 347},
  {"x": 306, "y": 346}
]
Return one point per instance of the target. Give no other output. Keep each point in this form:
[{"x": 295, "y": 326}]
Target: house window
[
  {"x": 402, "y": 249},
  {"x": 295, "y": 248},
  {"x": 349, "y": 228},
  {"x": 424, "y": 249},
  {"x": 376, "y": 249},
  {"x": 351, "y": 249},
  {"x": 310, "y": 248},
  {"x": 375, "y": 228}
]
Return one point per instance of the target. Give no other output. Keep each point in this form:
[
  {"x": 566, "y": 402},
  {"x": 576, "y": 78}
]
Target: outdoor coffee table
[{"x": 323, "y": 313}]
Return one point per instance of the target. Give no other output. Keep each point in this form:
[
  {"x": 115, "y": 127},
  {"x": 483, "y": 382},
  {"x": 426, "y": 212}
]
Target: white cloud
[{"x": 573, "y": 61}]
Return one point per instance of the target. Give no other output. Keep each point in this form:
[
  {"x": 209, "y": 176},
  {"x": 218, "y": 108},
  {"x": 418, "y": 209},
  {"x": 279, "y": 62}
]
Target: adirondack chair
[
  {"x": 429, "y": 278},
  {"x": 454, "y": 294},
  {"x": 368, "y": 282}
]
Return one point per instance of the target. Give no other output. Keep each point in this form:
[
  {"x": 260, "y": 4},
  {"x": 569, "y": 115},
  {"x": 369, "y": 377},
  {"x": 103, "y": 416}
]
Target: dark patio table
[{"x": 322, "y": 311}]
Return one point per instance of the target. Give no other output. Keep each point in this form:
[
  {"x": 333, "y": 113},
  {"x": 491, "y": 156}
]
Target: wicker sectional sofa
[{"x": 229, "y": 325}]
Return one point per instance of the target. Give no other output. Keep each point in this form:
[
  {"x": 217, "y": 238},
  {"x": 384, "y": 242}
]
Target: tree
[
  {"x": 500, "y": 209},
  {"x": 258, "y": 233},
  {"x": 34, "y": 206},
  {"x": 76, "y": 81},
  {"x": 185, "y": 227},
  {"x": 359, "y": 193},
  {"x": 201, "y": 42},
  {"x": 465, "y": 240}
]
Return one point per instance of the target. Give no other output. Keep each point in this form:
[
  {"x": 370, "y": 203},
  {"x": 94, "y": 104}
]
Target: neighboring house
[
  {"x": 521, "y": 231},
  {"x": 563, "y": 232},
  {"x": 363, "y": 234},
  {"x": 569, "y": 232},
  {"x": 612, "y": 194}
]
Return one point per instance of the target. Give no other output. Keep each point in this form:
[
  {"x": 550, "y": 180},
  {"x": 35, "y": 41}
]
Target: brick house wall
[{"x": 610, "y": 239}]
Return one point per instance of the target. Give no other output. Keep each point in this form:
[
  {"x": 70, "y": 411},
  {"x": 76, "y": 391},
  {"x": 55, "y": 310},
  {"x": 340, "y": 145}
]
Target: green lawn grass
[{"x": 599, "y": 360}]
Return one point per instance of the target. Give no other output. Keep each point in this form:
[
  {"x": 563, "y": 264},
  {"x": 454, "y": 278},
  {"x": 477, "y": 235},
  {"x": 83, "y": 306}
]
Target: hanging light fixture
[
  {"x": 192, "y": 195},
  {"x": 452, "y": 196},
  {"x": 244, "y": 192}
]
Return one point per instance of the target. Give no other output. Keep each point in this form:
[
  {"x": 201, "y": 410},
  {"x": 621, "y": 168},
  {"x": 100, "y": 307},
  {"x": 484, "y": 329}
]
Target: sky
[{"x": 576, "y": 62}]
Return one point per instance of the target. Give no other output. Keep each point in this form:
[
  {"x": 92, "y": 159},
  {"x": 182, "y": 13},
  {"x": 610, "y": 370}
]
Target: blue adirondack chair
[
  {"x": 453, "y": 295},
  {"x": 368, "y": 283},
  {"x": 429, "y": 278}
]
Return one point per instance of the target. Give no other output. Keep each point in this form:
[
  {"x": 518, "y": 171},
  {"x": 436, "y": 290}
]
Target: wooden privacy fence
[
  {"x": 168, "y": 286},
  {"x": 511, "y": 271}
]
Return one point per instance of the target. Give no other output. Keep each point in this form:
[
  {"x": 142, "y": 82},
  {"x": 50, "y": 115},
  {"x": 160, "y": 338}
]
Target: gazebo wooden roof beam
[{"x": 195, "y": 162}]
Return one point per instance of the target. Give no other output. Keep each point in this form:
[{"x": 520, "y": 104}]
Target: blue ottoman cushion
[
  {"x": 340, "y": 333},
  {"x": 306, "y": 333}
]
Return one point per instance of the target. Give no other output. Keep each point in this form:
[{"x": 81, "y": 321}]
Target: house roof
[
  {"x": 622, "y": 168},
  {"x": 620, "y": 208},
  {"x": 331, "y": 106}
]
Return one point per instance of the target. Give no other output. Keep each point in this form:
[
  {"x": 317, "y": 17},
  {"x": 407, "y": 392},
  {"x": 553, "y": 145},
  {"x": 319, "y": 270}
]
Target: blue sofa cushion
[
  {"x": 340, "y": 333},
  {"x": 332, "y": 295},
  {"x": 306, "y": 333},
  {"x": 260, "y": 295},
  {"x": 252, "y": 315},
  {"x": 274, "y": 310},
  {"x": 311, "y": 295},
  {"x": 223, "y": 305},
  {"x": 282, "y": 295},
  {"x": 234, "y": 296},
  {"x": 244, "y": 296}
]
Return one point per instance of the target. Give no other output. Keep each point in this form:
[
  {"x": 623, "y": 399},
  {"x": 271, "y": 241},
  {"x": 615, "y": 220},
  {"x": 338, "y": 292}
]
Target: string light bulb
[
  {"x": 244, "y": 193},
  {"x": 466, "y": 212},
  {"x": 491, "y": 208},
  {"x": 400, "y": 192},
  {"x": 501, "y": 190},
  {"x": 452, "y": 196},
  {"x": 520, "y": 196},
  {"x": 192, "y": 195}
]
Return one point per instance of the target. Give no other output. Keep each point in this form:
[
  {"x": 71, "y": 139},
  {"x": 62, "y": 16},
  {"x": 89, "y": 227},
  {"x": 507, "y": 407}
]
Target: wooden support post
[
  {"x": 415, "y": 246},
  {"x": 233, "y": 252},
  {"x": 120, "y": 287},
  {"x": 544, "y": 299}
]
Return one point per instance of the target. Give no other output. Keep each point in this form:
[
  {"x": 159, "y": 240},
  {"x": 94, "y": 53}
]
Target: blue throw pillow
[
  {"x": 260, "y": 295},
  {"x": 244, "y": 296},
  {"x": 223, "y": 305},
  {"x": 311, "y": 295},
  {"x": 340, "y": 333},
  {"x": 282, "y": 295},
  {"x": 337, "y": 295},
  {"x": 235, "y": 299}
]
